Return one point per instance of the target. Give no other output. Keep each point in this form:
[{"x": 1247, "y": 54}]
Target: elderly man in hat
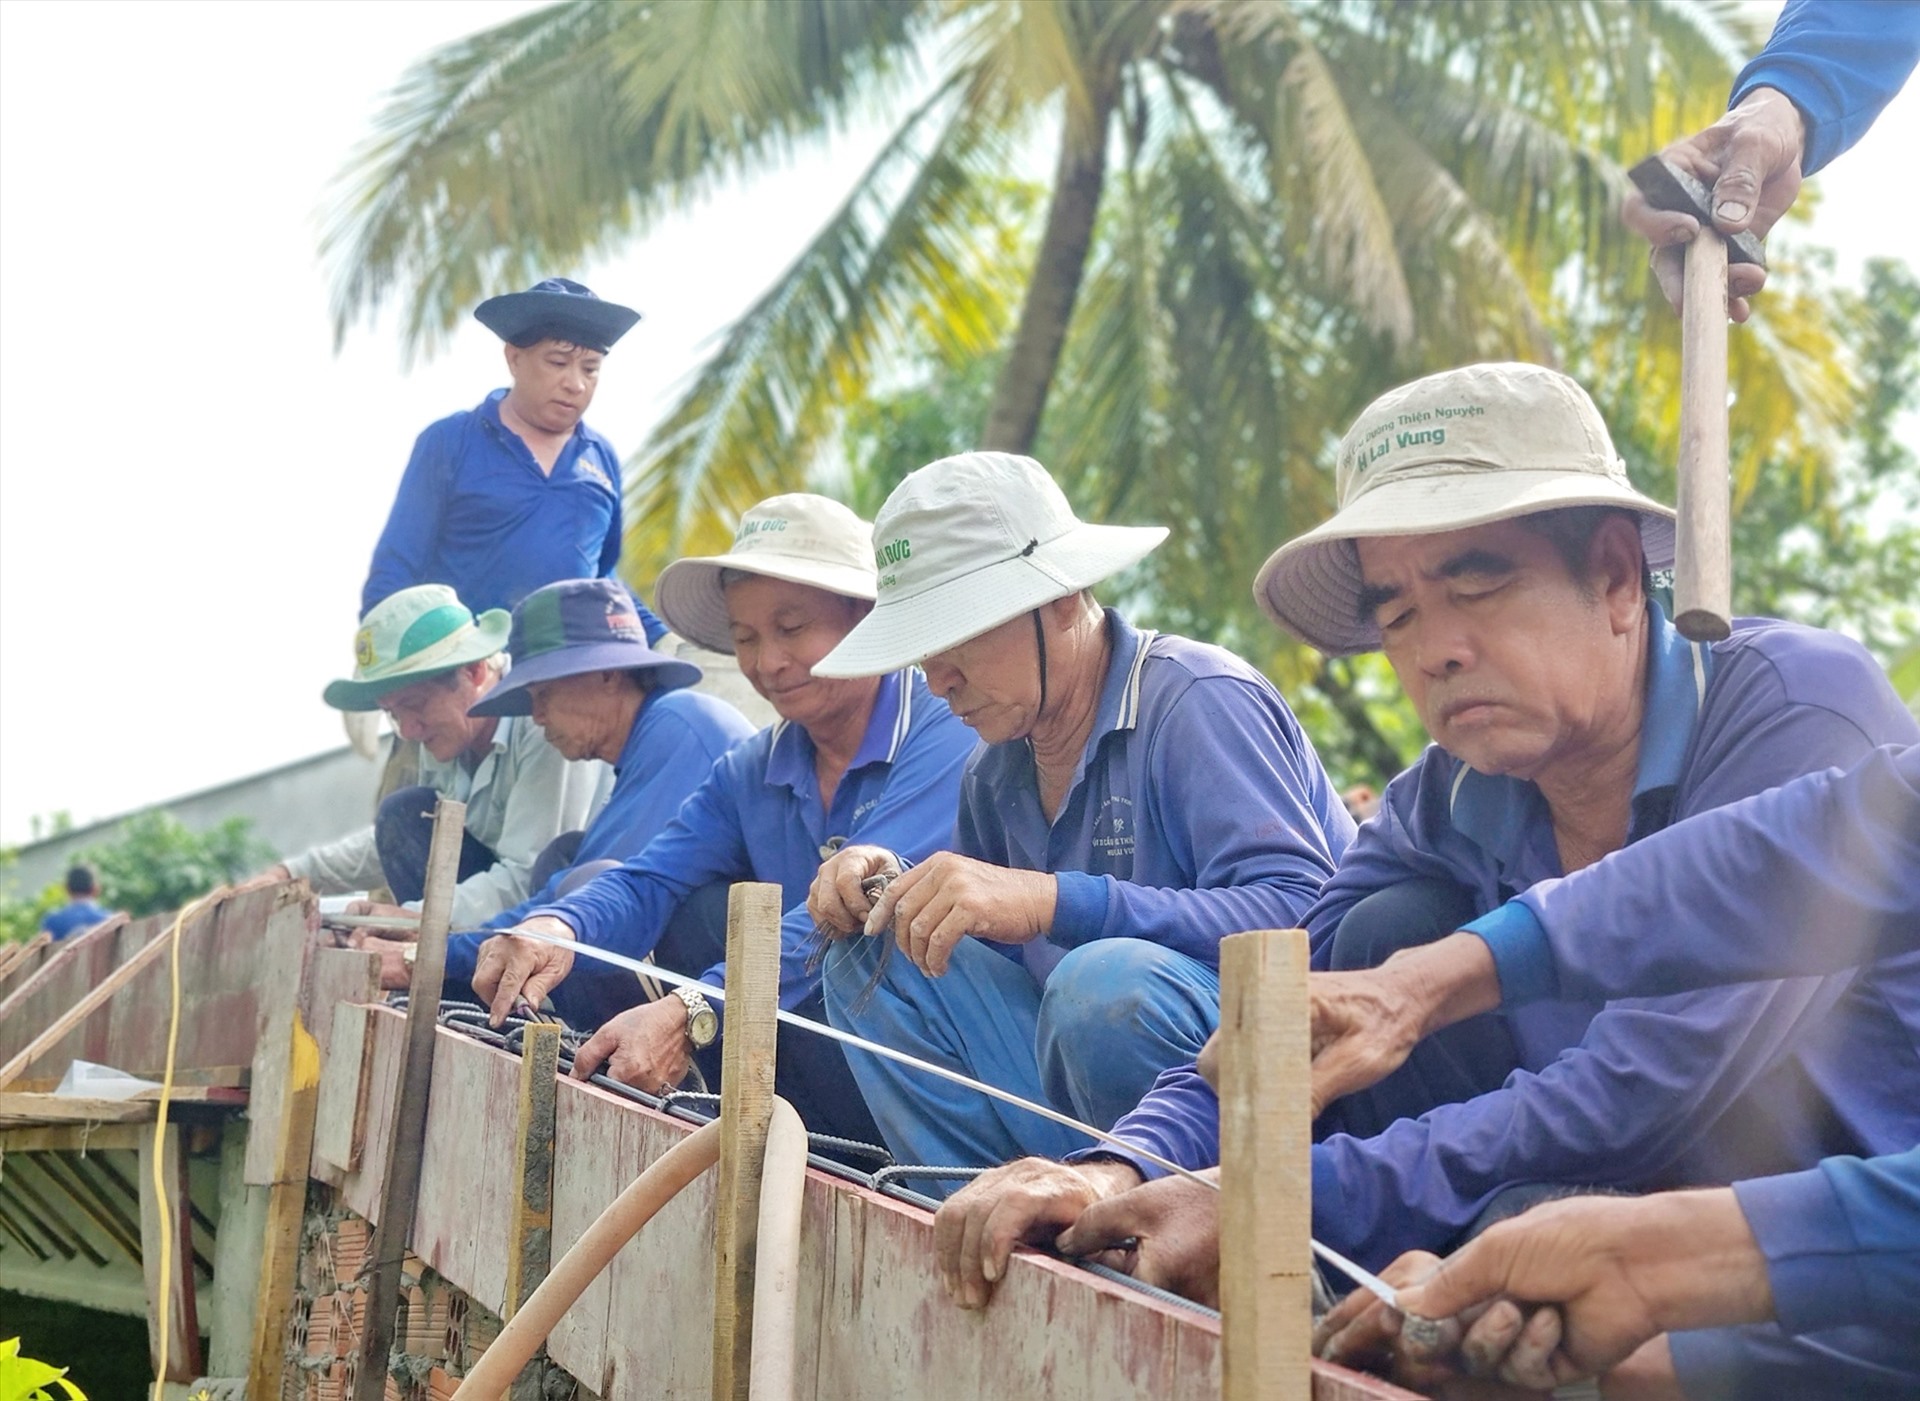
[
  {"x": 582, "y": 670},
  {"x": 1137, "y": 796},
  {"x": 424, "y": 659},
  {"x": 871, "y": 760},
  {"x": 1490, "y": 543},
  {"x": 517, "y": 492}
]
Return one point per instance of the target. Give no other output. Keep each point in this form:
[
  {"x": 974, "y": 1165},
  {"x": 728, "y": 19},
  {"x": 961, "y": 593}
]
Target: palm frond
[{"x": 558, "y": 135}]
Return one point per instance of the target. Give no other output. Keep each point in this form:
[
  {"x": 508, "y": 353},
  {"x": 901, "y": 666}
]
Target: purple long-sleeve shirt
[
  {"x": 1199, "y": 808},
  {"x": 1643, "y": 1092}
]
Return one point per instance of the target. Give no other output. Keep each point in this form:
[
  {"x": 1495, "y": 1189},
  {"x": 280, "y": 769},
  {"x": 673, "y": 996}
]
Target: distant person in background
[
  {"x": 517, "y": 492},
  {"x": 1825, "y": 75},
  {"x": 424, "y": 659},
  {"x": 83, "y": 909}
]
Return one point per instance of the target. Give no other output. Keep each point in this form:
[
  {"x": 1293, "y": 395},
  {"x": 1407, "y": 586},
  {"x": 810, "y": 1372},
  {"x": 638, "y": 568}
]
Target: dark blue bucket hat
[
  {"x": 574, "y": 627},
  {"x": 560, "y": 308}
]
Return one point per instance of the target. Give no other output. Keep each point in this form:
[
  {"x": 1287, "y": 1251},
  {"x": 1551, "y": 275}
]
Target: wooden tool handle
[{"x": 1703, "y": 560}]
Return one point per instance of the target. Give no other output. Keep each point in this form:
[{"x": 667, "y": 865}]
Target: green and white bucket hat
[
  {"x": 1460, "y": 448},
  {"x": 410, "y": 636},
  {"x": 798, "y": 537},
  {"x": 967, "y": 543}
]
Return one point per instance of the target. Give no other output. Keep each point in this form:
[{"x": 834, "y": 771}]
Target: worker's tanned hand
[
  {"x": 1620, "y": 1270},
  {"x": 1366, "y": 1023},
  {"x": 1168, "y": 1233},
  {"x": 1027, "y": 1201},
  {"x": 835, "y": 899},
  {"x": 1360, "y": 1331},
  {"x": 406, "y": 922},
  {"x": 1750, "y": 158},
  {"x": 508, "y": 967},
  {"x": 644, "y": 1046},
  {"x": 947, "y": 897}
]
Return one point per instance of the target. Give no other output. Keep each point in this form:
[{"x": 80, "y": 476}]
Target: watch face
[{"x": 702, "y": 1026}]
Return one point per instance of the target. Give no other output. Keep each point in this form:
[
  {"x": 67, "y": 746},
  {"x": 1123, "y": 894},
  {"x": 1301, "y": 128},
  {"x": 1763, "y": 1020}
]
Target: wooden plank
[
  {"x": 587, "y": 1175},
  {"x": 339, "y": 1124},
  {"x": 336, "y": 977},
  {"x": 166, "y": 1228},
  {"x": 47, "y": 1108},
  {"x": 279, "y": 966},
  {"x": 76, "y": 1137},
  {"x": 1266, "y": 1206},
  {"x": 402, "y": 1186},
  {"x": 57, "y": 1031},
  {"x": 746, "y": 1108},
  {"x": 530, "y": 1234},
  {"x": 286, "y": 1210}
]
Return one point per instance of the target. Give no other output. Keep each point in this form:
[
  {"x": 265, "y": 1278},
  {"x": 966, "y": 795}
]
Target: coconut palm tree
[{"x": 1260, "y": 213}]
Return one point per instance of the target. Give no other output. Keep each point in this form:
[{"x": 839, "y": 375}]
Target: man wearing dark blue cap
[
  {"x": 583, "y": 671},
  {"x": 517, "y": 492}
]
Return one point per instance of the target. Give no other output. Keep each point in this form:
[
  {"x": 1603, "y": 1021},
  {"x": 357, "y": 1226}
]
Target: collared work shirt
[
  {"x": 520, "y": 796},
  {"x": 475, "y": 512},
  {"x": 1644, "y": 1092},
  {"x": 759, "y": 816},
  {"x": 1199, "y": 808}
]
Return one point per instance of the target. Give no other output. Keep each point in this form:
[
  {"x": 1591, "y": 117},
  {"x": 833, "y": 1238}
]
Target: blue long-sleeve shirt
[
  {"x": 1841, "y": 62},
  {"x": 1818, "y": 875},
  {"x": 1199, "y": 808},
  {"x": 1644, "y": 1092},
  {"x": 759, "y": 816},
  {"x": 475, "y": 512},
  {"x": 73, "y": 917},
  {"x": 672, "y": 747}
]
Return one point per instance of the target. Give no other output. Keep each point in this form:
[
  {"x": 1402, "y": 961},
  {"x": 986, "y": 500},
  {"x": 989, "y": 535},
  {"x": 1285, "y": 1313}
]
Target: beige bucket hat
[
  {"x": 799, "y": 537},
  {"x": 1460, "y": 448},
  {"x": 968, "y": 542}
]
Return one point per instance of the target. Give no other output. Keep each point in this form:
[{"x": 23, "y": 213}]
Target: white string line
[{"x": 1367, "y": 1280}]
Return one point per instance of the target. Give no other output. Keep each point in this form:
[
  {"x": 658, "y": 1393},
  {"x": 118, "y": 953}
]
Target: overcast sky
[{"x": 191, "y": 480}]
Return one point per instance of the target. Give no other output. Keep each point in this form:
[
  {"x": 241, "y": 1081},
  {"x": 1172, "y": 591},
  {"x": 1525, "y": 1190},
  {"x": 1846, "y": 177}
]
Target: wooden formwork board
[
  {"x": 873, "y": 1319},
  {"x": 218, "y": 970}
]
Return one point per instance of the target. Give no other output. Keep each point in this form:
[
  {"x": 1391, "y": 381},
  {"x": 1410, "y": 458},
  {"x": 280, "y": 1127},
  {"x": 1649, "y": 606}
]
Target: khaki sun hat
[
  {"x": 799, "y": 537},
  {"x": 968, "y": 542},
  {"x": 411, "y": 635},
  {"x": 1460, "y": 448}
]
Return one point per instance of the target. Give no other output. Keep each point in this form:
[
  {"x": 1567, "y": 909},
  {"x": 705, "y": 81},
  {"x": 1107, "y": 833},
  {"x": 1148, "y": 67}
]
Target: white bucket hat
[
  {"x": 1460, "y": 448},
  {"x": 968, "y": 542},
  {"x": 802, "y": 538}
]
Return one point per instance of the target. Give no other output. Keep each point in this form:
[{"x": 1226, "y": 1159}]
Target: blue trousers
[{"x": 1113, "y": 1015}]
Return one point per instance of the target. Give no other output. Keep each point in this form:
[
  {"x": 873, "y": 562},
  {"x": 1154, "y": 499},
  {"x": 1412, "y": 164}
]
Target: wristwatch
[{"x": 702, "y": 1025}]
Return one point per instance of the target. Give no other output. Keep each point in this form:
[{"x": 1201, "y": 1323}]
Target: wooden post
[
  {"x": 746, "y": 1110},
  {"x": 530, "y": 1239},
  {"x": 285, "y": 1214},
  {"x": 1266, "y": 1210},
  {"x": 400, "y": 1190},
  {"x": 1703, "y": 552}
]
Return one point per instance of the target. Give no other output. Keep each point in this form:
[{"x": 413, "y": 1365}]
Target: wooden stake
[
  {"x": 746, "y": 1110},
  {"x": 1266, "y": 1208},
  {"x": 286, "y": 1213},
  {"x": 400, "y": 1189},
  {"x": 530, "y": 1238},
  {"x": 1703, "y": 553}
]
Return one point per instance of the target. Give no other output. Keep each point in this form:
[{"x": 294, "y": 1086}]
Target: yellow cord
[{"x": 161, "y": 1204}]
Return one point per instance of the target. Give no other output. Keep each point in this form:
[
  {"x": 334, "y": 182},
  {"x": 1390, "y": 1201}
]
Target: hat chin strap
[{"x": 1040, "y": 646}]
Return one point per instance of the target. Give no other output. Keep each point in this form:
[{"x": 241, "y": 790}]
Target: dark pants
[
  {"x": 810, "y": 1072},
  {"x": 1468, "y": 1059},
  {"x": 403, "y": 834}
]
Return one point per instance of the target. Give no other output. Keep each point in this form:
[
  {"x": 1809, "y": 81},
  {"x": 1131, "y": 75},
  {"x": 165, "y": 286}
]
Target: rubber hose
[
  {"x": 783, "y": 1180},
  {"x": 591, "y": 1254}
]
